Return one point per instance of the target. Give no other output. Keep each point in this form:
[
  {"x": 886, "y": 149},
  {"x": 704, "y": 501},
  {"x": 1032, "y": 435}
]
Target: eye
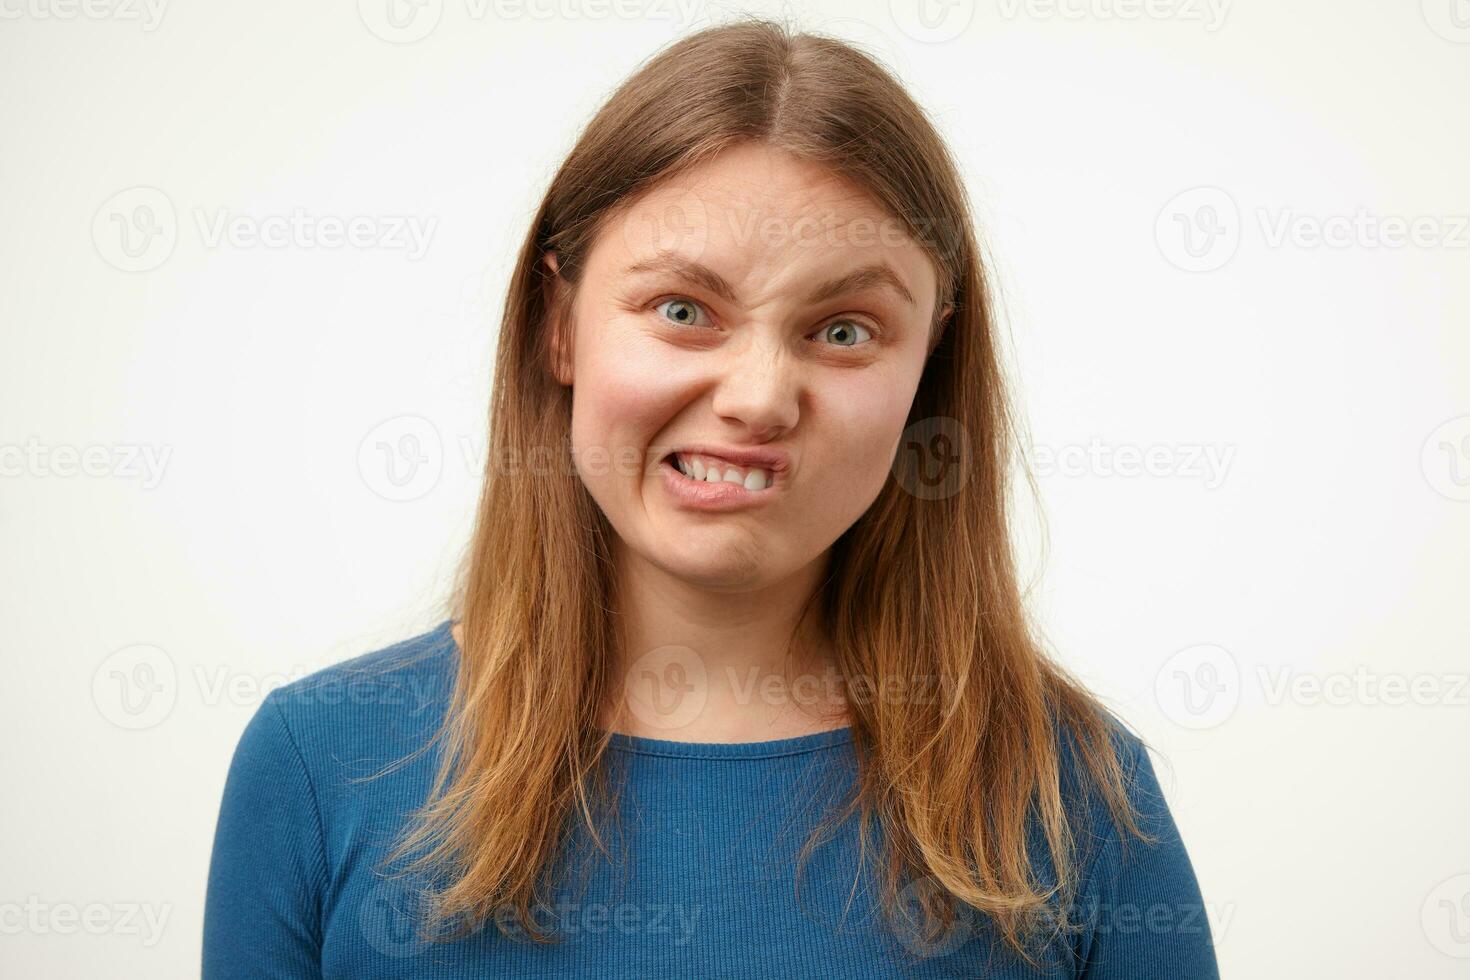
[
  {"x": 679, "y": 310},
  {"x": 845, "y": 330}
]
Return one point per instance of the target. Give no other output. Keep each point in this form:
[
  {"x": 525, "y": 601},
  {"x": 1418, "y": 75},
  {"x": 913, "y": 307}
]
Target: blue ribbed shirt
[{"x": 330, "y": 767}]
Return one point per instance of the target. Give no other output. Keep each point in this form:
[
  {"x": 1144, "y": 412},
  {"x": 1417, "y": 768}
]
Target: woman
[{"x": 737, "y": 679}]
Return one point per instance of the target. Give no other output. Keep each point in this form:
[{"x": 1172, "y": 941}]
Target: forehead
[
  {"x": 755, "y": 176},
  {"x": 760, "y": 215}
]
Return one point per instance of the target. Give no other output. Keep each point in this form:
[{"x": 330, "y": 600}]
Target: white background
[{"x": 1250, "y": 616}]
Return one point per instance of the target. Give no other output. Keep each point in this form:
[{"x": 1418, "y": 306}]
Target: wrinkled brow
[{"x": 877, "y": 274}]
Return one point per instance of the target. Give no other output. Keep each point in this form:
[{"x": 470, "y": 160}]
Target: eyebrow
[{"x": 877, "y": 274}]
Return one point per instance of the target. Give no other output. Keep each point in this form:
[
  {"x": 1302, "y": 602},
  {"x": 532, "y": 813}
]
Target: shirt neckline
[{"x": 769, "y": 749}]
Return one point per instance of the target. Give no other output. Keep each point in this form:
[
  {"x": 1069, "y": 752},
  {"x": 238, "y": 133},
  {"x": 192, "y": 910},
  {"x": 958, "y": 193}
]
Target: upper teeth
[{"x": 713, "y": 470}]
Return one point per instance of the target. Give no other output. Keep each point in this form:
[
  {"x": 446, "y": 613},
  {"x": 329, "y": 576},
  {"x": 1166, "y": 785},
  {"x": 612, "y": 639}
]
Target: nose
[{"x": 759, "y": 388}]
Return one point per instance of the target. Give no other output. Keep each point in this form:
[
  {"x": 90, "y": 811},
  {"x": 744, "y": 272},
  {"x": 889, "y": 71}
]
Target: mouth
[{"x": 707, "y": 468}]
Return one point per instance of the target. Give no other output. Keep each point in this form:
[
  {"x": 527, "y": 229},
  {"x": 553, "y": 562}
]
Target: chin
[{"x": 715, "y": 561}]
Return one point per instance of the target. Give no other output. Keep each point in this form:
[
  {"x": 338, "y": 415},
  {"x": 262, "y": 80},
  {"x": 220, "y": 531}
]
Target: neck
[{"x": 704, "y": 665}]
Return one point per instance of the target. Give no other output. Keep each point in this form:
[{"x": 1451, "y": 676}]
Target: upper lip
[{"x": 774, "y": 460}]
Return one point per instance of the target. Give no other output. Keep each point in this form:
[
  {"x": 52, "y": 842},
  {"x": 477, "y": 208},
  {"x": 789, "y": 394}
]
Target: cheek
[
  {"x": 621, "y": 396},
  {"x": 874, "y": 412},
  {"x": 862, "y": 421}
]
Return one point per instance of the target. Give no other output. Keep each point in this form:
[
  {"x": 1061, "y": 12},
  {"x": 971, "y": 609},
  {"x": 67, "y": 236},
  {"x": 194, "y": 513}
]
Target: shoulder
[
  {"x": 1138, "y": 895},
  {"x": 412, "y": 673},
  {"x": 352, "y": 719},
  {"x": 403, "y": 681},
  {"x": 1081, "y": 787},
  {"x": 300, "y": 798}
]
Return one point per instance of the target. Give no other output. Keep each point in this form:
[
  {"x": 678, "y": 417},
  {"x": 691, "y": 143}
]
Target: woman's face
[{"x": 757, "y": 303}]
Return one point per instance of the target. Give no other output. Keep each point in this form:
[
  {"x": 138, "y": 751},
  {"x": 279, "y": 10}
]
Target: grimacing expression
[{"x": 713, "y": 312}]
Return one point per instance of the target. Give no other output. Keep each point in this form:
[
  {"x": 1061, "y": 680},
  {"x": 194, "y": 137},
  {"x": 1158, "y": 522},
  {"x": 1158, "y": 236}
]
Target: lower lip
[{"x": 703, "y": 495}]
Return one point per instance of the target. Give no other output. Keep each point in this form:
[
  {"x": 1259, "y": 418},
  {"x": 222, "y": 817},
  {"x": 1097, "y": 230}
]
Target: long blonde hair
[{"x": 922, "y": 585}]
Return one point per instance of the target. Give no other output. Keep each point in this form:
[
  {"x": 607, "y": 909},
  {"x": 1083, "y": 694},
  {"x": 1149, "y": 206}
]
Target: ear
[
  {"x": 937, "y": 330},
  {"x": 556, "y": 315}
]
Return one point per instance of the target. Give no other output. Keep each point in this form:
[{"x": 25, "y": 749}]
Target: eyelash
[{"x": 872, "y": 330}]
